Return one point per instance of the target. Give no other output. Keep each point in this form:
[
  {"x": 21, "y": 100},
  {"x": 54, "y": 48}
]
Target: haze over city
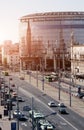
[{"x": 11, "y": 11}]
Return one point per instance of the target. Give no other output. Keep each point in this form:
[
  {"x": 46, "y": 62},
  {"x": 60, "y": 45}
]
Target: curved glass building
[{"x": 47, "y": 34}]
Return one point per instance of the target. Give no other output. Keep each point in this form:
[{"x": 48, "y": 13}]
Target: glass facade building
[{"x": 44, "y": 32}]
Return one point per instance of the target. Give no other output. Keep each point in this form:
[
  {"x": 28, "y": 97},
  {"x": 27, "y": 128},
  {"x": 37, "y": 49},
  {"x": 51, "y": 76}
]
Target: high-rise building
[{"x": 48, "y": 35}]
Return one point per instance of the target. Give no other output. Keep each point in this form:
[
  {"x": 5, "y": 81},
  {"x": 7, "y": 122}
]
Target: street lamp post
[
  {"x": 30, "y": 77},
  {"x": 43, "y": 82},
  {"x": 70, "y": 89},
  {"x": 43, "y": 78},
  {"x": 70, "y": 94},
  {"x": 37, "y": 75},
  {"x": 59, "y": 88}
]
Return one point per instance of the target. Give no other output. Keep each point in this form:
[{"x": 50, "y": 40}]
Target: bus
[{"x": 52, "y": 77}]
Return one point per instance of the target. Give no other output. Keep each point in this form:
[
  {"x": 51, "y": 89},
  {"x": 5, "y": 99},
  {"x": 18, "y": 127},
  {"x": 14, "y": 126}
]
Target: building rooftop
[{"x": 54, "y": 14}]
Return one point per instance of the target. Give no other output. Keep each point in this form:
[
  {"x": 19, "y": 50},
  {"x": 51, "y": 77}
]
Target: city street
[{"x": 27, "y": 91}]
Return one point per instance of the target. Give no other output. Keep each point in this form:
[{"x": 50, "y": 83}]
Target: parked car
[{"x": 52, "y": 104}]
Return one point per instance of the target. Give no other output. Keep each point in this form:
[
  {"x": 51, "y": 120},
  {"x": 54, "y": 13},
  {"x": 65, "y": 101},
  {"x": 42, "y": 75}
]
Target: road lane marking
[
  {"x": 31, "y": 95},
  {"x": 67, "y": 122}
]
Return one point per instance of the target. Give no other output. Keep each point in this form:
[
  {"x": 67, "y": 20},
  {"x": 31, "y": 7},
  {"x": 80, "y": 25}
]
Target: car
[
  {"x": 21, "y": 77},
  {"x": 13, "y": 85},
  {"x": 52, "y": 104},
  {"x": 80, "y": 95},
  {"x": 11, "y": 90},
  {"x": 45, "y": 125},
  {"x": 62, "y": 110},
  {"x": 14, "y": 94},
  {"x": 61, "y": 105},
  {"x": 26, "y": 108},
  {"x": 6, "y": 73},
  {"x": 20, "y": 99},
  {"x": 17, "y": 113},
  {"x": 23, "y": 118}
]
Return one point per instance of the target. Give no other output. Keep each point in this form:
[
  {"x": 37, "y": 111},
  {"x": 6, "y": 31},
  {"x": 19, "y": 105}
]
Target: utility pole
[
  {"x": 37, "y": 76},
  {"x": 70, "y": 94},
  {"x": 59, "y": 86}
]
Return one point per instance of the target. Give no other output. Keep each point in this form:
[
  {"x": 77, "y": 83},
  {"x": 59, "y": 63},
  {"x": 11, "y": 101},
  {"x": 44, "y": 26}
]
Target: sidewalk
[
  {"x": 77, "y": 82},
  {"x": 76, "y": 104},
  {"x": 5, "y": 123}
]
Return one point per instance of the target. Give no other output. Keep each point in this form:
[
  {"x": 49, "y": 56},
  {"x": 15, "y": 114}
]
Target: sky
[{"x": 12, "y": 10}]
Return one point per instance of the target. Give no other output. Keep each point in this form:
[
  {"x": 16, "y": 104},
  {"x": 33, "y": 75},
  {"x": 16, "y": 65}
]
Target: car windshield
[{"x": 52, "y": 103}]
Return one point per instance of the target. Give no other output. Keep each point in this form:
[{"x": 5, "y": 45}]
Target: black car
[
  {"x": 20, "y": 99},
  {"x": 23, "y": 118},
  {"x": 62, "y": 110},
  {"x": 17, "y": 114}
]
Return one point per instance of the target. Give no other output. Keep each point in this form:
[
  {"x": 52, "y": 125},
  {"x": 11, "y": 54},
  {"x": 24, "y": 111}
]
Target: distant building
[
  {"x": 10, "y": 54},
  {"x": 77, "y": 59},
  {"x": 13, "y": 61},
  {"x": 45, "y": 38}
]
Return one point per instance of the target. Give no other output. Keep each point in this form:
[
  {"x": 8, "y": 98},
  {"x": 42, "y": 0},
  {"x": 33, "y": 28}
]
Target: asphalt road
[{"x": 71, "y": 121}]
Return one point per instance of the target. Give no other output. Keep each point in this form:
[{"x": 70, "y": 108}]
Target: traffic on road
[{"x": 47, "y": 112}]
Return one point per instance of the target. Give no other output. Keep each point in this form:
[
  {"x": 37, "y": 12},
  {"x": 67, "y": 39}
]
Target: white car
[{"x": 52, "y": 104}]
